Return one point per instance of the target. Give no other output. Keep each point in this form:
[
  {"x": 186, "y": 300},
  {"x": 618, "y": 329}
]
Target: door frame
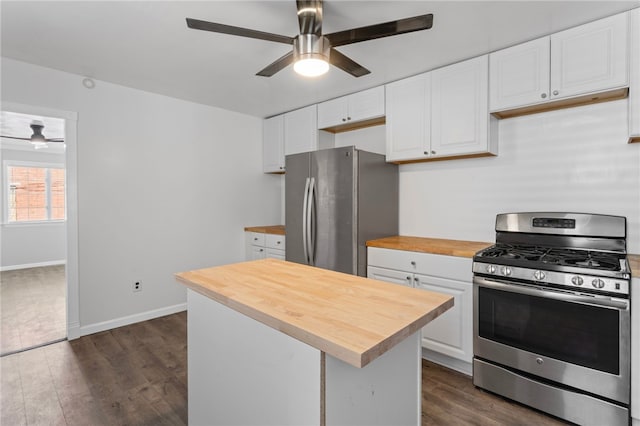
[{"x": 71, "y": 165}]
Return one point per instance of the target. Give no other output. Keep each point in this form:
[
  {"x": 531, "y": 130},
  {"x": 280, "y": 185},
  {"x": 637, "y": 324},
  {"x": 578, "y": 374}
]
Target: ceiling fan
[
  {"x": 313, "y": 51},
  {"x": 37, "y": 139}
]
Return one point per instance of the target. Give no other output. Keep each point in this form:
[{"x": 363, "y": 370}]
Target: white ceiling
[{"x": 147, "y": 45}]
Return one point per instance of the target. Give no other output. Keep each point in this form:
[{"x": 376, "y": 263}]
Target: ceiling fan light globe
[
  {"x": 39, "y": 144},
  {"x": 311, "y": 67}
]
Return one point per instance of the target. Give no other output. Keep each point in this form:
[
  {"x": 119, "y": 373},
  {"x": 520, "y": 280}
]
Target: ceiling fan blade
[
  {"x": 54, "y": 140},
  {"x": 401, "y": 26},
  {"x": 14, "y": 137},
  {"x": 237, "y": 31},
  {"x": 346, "y": 64},
  {"x": 310, "y": 16},
  {"x": 276, "y": 66}
]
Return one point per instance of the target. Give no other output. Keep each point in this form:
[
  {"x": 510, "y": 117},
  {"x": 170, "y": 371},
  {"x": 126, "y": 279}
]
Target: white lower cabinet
[
  {"x": 260, "y": 246},
  {"x": 450, "y": 334},
  {"x": 447, "y": 340}
]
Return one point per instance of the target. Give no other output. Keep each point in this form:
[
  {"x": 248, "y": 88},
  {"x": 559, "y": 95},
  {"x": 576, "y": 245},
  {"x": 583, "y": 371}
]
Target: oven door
[{"x": 576, "y": 340}]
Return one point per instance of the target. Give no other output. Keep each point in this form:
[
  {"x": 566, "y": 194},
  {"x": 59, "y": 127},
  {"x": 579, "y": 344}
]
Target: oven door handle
[{"x": 565, "y": 297}]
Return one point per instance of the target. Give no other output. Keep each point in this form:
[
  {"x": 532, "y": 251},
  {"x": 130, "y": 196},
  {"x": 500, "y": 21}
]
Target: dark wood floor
[
  {"x": 137, "y": 375},
  {"x": 32, "y": 301}
]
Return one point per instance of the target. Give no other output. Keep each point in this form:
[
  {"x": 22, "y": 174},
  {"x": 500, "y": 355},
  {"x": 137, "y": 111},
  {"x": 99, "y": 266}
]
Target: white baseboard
[
  {"x": 32, "y": 265},
  {"x": 446, "y": 361},
  {"x": 75, "y": 332}
]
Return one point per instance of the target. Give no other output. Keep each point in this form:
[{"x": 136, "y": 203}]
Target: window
[{"x": 35, "y": 192}]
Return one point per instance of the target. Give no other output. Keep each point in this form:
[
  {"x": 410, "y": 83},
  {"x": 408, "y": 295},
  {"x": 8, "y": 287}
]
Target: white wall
[
  {"x": 573, "y": 160},
  {"x": 164, "y": 185},
  {"x": 31, "y": 244}
]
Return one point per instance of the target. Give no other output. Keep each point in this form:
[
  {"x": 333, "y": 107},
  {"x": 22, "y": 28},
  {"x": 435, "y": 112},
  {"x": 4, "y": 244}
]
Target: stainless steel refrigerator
[{"x": 336, "y": 200}]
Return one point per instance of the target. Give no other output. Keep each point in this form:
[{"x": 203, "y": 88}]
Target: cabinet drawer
[
  {"x": 256, "y": 238},
  {"x": 457, "y": 268},
  {"x": 275, "y": 241}
]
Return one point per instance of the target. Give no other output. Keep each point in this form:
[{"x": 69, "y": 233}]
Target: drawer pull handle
[{"x": 413, "y": 263}]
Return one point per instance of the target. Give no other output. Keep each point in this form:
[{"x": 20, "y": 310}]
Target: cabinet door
[
  {"x": 273, "y": 144},
  {"x": 408, "y": 125},
  {"x": 390, "y": 276},
  {"x": 301, "y": 130},
  {"x": 590, "y": 58},
  {"x": 366, "y": 104},
  {"x": 332, "y": 113},
  {"x": 451, "y": 333},
  {"x": 459, "y": 108},
  {"x": 634, "y": 81},
  {"x": 519, "y": 75}
]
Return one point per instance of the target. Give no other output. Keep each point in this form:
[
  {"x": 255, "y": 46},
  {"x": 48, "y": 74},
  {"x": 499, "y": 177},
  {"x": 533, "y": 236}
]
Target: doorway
[{"x": 38, "y": 262}]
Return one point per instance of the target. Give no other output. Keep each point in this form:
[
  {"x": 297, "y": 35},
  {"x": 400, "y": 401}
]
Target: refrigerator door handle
[
  {"x": 311, "y": 225},
  {"x": 305, "y": 203}
]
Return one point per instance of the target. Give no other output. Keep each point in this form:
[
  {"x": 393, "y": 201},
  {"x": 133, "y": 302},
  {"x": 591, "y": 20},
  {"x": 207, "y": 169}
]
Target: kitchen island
[{"x": 275, "y": 342}]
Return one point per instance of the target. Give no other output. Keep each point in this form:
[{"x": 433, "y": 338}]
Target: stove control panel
[{"x": 618, "y": 286}]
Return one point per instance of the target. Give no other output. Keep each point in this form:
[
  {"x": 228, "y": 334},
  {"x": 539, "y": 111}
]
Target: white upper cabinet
[
  {"x": 519, "y": 75},
  {"x": 460, "y": 108},
  {"x": 289, "y": 133},
  {"x": 408, "y": 107},
  {"x": 301, "y": 130},
  {"x": 573, "y": 63},
  {"x": 354, "y": 108},
  {"x": 442, "y": 113},
  {"x": 634, "y": 79},
  {"x": 590, "y": 58},
  {"x": 273, "y": 144}
]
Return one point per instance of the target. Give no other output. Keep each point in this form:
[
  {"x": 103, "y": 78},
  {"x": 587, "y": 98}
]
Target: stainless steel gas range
[{"x": 551, "y": 315}]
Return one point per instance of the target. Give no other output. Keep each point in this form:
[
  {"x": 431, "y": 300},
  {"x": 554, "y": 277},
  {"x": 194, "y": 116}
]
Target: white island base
[{"x": 242, "y": 372}]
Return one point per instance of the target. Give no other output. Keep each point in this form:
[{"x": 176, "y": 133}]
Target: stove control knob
[
  {"x": 539, "y": 275},
  {"x": 597, "y": 283},
  {"x": 506, "y": 271},
  {"x": 491, "y": 269},
  {"x": 577, "y": 280}
]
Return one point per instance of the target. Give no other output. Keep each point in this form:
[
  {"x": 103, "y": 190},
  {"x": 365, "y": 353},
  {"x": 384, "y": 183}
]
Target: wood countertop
[
  {"x": 634, "y": 263},
  {"x": 271, "y": 229},
  {"x": 430, "y": 245},
  {"x": 351, "y": 318}
]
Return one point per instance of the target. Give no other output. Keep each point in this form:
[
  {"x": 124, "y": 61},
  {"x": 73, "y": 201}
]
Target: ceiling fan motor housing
[{"x": 311, "y": 46}]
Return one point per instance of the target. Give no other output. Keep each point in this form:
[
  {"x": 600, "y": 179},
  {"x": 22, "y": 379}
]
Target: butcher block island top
[
  {"x": 441, "y": 246},
  {"x": 351, "y": 318}
]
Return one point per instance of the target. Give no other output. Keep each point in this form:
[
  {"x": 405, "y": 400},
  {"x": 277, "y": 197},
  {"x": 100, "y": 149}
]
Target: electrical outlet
[{"x": 137, "y": 286}]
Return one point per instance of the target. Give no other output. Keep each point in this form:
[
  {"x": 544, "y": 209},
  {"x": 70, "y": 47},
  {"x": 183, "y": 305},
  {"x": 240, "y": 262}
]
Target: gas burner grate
[{"x": 540, "y": 256}]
